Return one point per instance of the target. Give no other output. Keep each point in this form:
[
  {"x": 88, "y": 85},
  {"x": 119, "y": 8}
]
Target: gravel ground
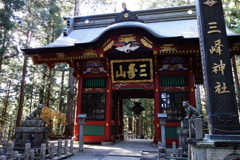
[{"x": 98, "y": 152}]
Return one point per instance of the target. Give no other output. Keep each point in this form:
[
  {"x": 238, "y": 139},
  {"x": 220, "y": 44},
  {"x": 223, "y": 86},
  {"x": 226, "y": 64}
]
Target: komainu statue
[
  {"x": 35, "y": 114},
  {"x": 190, "y": 110}
]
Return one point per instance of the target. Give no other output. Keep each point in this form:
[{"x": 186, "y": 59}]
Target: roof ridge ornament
[
  {"x": 126, "y": 15},
  {"x": 69, "y": 28}
]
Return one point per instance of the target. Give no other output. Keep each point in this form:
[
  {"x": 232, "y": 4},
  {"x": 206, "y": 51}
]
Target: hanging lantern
[{"x": 137, "y": 109}]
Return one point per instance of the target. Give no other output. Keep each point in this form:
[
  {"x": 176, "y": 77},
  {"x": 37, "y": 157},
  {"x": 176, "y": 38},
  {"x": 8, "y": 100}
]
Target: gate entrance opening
[
  {"x": 138, "y": 118},
  {"x": 138, "y": 113}
]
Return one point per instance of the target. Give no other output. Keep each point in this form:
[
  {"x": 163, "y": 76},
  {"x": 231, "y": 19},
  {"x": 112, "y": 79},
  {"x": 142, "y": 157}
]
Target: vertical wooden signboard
[{"x": 218, "y": 80}]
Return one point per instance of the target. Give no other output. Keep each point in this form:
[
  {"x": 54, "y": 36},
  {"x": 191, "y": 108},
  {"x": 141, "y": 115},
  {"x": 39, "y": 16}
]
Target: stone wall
[{"x": 213, "y": 153}]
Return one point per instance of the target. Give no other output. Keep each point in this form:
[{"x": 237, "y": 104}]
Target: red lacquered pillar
[
  {"x": 78, "y": 109},
  {"x": 192, "y": 99},
  {"x": 108, "y": 121},
  {"x": 156, "y": 100}
]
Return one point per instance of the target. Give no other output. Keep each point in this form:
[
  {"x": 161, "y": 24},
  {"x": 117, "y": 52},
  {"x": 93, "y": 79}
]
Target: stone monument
[
  {"x": 32, "y": 130},
  {"x": 223, "y": 139}
]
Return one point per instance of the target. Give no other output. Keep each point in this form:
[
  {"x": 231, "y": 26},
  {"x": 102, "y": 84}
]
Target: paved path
[{"x": 133, "y": 149}]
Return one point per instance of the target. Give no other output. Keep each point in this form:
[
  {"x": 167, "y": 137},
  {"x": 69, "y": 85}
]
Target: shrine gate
[{"x": 146, "y": 54}]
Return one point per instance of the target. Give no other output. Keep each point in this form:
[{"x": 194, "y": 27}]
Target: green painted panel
[
  {"x": 94, "y": 82},
  {"x": 171, "y": 132},
  {"x": 93, "y": 130},
  {"x": 173, "y": 80}
]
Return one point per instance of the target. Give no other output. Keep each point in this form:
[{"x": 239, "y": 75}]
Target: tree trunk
[
  {"x": 198, "y": 99},
  {"x": 21, "y": 101},
  {"x": 77, "y": 8},
  {"x": 70, "y": 101},
  {"x": 49, "y": 88},
  {"x": 70, "y": 97},
  {"x": 130, "y": 128},
  {"x": 31, "y": 100},
  {"x": 1, "y": 60},
  {"x": 41, "y": 92},
  {"x": 139, "y": 122},
  {"x": 236, "y": 80},
  {"x": 61, "y": 93},
  {"x": 4, "y": 110},
  {"x": 3, "y": 47}
]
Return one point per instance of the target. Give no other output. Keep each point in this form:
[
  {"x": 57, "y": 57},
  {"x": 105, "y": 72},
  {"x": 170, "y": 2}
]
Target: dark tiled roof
[{"x": 161, "y": 23}]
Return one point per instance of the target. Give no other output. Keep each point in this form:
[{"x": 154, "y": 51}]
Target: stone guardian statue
[
  {"x": 35, "y": 114},
  {"x": 190, "y": 110}
]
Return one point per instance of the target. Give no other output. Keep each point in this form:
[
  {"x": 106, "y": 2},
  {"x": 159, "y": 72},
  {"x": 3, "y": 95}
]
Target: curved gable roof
[{"x": 165, "y": 23}]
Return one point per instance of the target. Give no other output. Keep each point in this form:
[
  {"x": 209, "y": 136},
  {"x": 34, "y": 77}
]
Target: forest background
[{"x": 32, "y": 23}]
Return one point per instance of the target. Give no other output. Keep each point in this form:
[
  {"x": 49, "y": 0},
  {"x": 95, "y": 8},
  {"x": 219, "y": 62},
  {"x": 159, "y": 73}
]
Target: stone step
[
  {"x": 125, "y": 153},
  {"x": 120, "y": 158}
]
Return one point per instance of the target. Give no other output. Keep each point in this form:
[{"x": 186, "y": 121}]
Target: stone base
[
  {"x": 117, "y": 140},
  {"x": 214, "y": 150},
  {"x": 220, "y": 137},
  {"x": 155, "y": 145},
  {"x": 106, "y": 143},
  {"x": 34, "y": 135}
]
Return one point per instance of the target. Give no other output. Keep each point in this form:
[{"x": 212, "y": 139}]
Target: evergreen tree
[
  {"x": 232, "y": 14},
  {"x": 7, "y": 24}
]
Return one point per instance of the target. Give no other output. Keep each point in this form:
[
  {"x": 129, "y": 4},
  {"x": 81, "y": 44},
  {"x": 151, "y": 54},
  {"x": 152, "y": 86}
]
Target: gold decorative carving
[
  {"x": 60, "y": 54},
  {"x": 168, "y": 47},
  {"x": 127, "y": 39},
  {"x": 146, "y": 42},
  {"x": 126, "y": 15},
  {"x": 210, "y": 3},
  {"x": 155, "y": 52},
  {"x": 35, "y": 55},
  {"x": 89, "y": 53},
  {"x": 109, "y": 45},
  {"x": 126, "y": 35}
]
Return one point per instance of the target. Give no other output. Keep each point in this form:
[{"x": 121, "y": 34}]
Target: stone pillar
[
  {"x": 51, "y": 151},
  {"x": 183, "y": 133},
  {"x": 125, "y": 131},
  {"x": 43, "y": 151},
  {"x": 65, "y": 147},
  {"x": 32, "y": 153},
  {"x": 221, "y": 104},
  {"x": 162, "y": 117},
  {"x": 27, "y": 150},
  {"x": 162, "y": 147},
  {"x": 71, "y": 147},
  {"x": 198, "y": 128},
  {"x": 82, "y": 118},
  {"x": 59, "y": 148}
]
